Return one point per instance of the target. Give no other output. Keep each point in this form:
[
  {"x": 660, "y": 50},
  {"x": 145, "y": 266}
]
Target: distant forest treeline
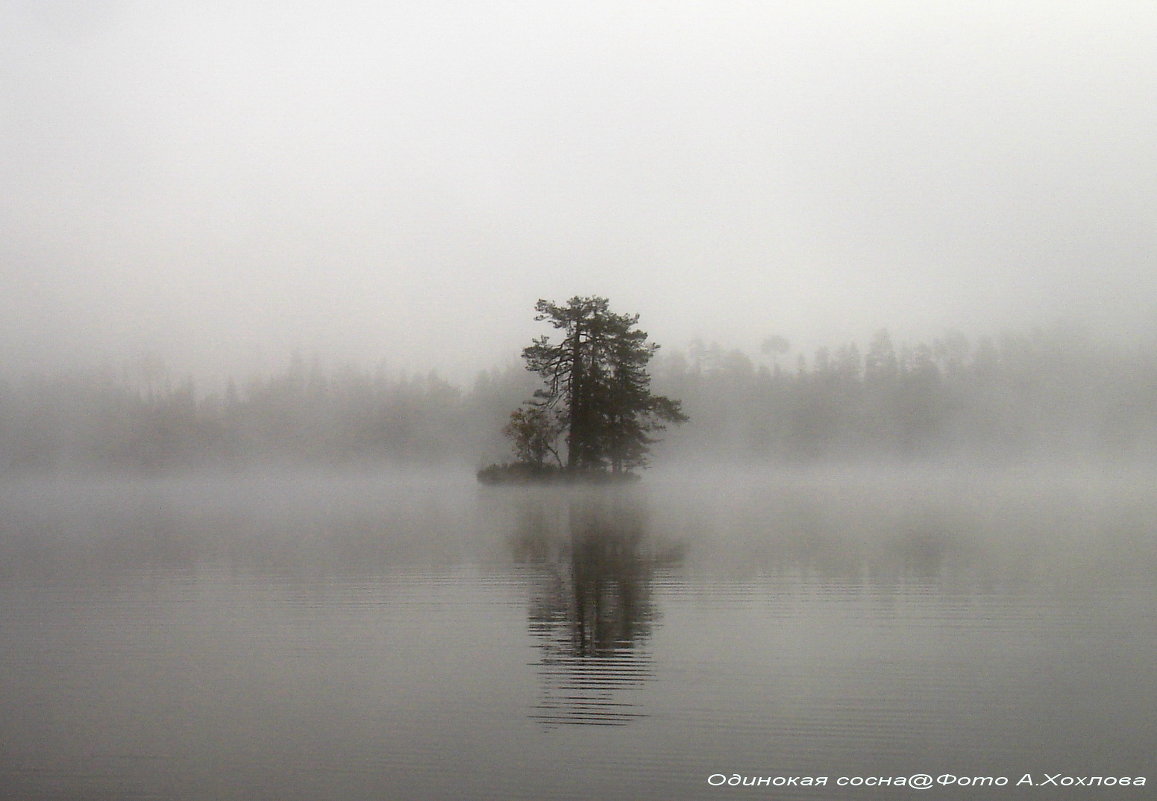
[{"x": 1054, "y": 394}]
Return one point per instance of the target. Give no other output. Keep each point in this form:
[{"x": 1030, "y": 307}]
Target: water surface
[{"x": 298, "y": 636}]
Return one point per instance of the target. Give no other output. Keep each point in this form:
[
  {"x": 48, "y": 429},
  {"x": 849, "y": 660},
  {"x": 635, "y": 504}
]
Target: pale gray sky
[{"x": 225, "y": 182}]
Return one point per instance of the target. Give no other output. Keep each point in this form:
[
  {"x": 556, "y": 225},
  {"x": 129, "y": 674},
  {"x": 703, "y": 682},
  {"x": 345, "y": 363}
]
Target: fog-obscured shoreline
[{"x": 1047, "y": 396}]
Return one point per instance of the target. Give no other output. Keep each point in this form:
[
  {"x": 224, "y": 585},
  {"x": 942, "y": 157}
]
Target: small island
[{"x": 595, "y": 417}]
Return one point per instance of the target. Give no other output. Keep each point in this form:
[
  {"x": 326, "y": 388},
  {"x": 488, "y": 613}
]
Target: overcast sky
[{"x": 224, "y": 183}]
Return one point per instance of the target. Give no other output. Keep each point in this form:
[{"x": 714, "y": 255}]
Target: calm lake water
[{"x": 422, "y": 637}]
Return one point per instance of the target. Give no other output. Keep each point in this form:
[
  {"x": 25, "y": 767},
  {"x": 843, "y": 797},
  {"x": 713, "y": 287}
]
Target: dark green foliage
[{"x": 596, "y": 393}]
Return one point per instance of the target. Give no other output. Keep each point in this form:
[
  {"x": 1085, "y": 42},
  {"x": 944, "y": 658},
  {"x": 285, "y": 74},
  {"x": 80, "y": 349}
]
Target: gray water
[{"x": 417, "y": 636}]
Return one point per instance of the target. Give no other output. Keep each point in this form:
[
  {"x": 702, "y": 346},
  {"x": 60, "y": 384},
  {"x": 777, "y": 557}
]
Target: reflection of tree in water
[{"x": 592, "y": 608}]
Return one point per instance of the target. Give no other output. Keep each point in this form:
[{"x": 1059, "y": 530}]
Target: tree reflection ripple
[{"x": 591, "y": 608}]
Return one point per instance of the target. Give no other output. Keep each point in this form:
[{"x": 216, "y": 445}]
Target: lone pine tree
[{"x": 596, "y": 392}]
